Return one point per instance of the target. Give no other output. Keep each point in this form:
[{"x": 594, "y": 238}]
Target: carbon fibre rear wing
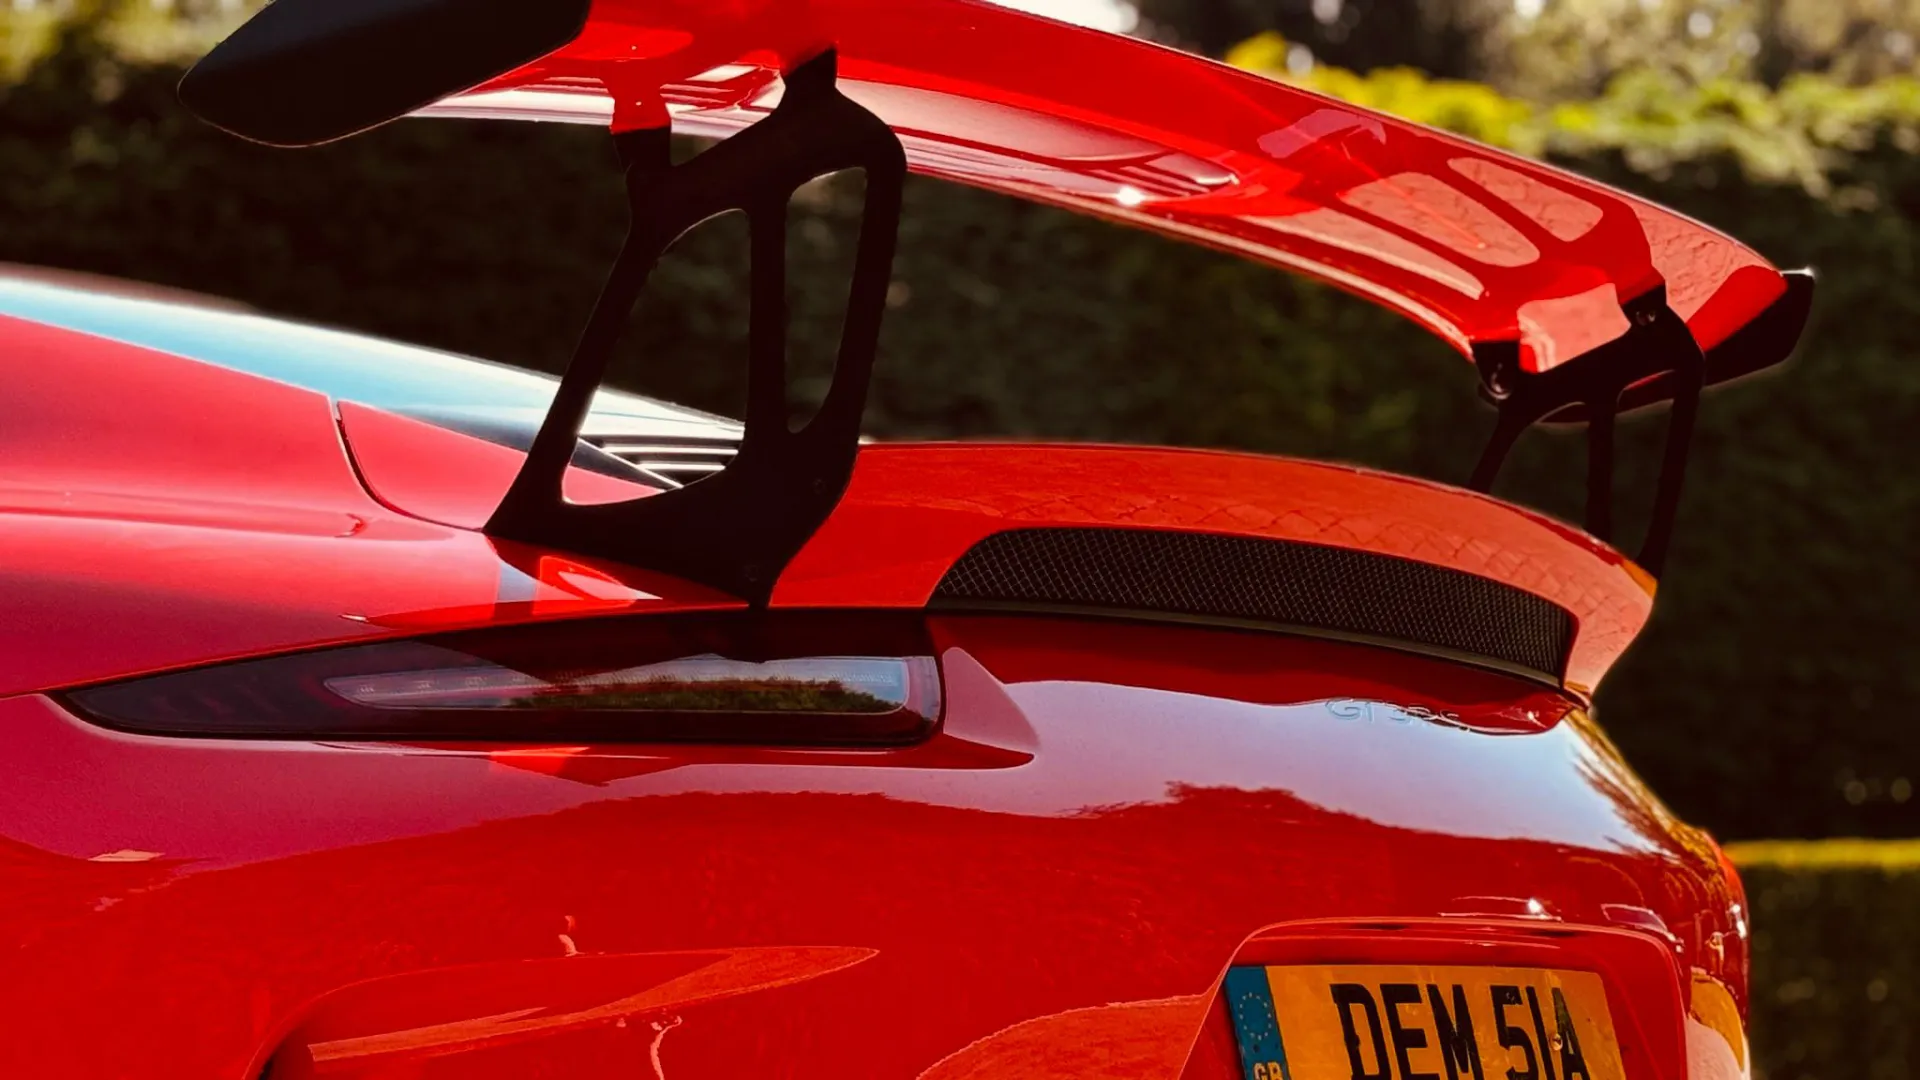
[{"x": 308, "y": 71}]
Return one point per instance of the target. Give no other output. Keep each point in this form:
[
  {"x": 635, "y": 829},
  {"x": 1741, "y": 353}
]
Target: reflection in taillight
[
  {"x": 838, "y": 684},
  {"x": 806, "y": 679}
]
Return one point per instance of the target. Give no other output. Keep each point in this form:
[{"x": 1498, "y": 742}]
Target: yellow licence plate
[{"x": 1391, "y": 1022}]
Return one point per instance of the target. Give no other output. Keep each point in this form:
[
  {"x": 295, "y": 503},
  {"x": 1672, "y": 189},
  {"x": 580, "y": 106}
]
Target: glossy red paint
[
  {"x": 1053, "y": 886},
  {"x": 187, "y": 907},
  {"x": 1476, "y": 244},
  {"x": 140, "y": 538},
  {"x": 256, "y": 535},
  {"x": 446, "y": 477},
  {"x": 912, "y": 510},
  {"x": 1108, "y": 815},
  {"x": 157, "y": 512}
]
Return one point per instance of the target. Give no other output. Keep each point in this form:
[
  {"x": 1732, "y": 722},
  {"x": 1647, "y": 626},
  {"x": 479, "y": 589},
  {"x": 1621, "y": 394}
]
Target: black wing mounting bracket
[
  {"x": 1656, "y": 346},
  {"x": 1656, "y": 360},
  {"x": 738, "y": 529}
]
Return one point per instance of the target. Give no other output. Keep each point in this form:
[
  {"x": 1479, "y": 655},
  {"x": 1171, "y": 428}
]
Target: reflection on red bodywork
[
  {"x": 434, "y": 1013},
  {"x": 211, "y": 896},
  {"x": 135, "y": 537},
  {"x": 193, "y": 557},
  {"x": 912, "y": 510},
  {"x": 1106, "y": 815},
  {"x": 1459, "y": 237}
]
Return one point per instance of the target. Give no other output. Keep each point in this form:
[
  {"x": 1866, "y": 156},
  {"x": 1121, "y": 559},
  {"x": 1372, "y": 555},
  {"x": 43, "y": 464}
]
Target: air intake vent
[
  {"x": 1285, "y": 584},
  {"x": 675, "y": 462}
]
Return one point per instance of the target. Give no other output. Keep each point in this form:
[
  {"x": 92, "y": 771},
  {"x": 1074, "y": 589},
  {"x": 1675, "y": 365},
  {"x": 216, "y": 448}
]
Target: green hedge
[
  {"x": 1774, "y": 693},
  {"x": 1836, "y": 959},
  {"x": 1808, "y": 131}
]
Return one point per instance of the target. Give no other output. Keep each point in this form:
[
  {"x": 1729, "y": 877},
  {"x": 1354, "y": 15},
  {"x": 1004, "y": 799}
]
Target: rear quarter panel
[{"x": 1118, "y": 812}]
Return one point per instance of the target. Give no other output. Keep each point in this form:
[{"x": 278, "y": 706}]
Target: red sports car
[{"x": 373, "y": 712}]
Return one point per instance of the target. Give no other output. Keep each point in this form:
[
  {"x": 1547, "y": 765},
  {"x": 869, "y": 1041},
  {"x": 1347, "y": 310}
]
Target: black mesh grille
[{"x": 1281, "y": 582}]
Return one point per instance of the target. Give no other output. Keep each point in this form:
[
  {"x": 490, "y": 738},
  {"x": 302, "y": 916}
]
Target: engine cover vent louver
[
  {"x": 674, "y": 461},
  {"x": 1284, "y": 584}
]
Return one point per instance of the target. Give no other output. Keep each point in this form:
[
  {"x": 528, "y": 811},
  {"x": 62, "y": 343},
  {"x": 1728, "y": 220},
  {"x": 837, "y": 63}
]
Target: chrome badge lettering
[{"x": 1357, "y": 709}]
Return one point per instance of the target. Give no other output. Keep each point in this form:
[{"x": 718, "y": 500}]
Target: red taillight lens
[{"x": 806, "y": 678}]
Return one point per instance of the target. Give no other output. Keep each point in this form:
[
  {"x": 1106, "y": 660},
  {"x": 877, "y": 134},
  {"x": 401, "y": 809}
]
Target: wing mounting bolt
[{"x": 1498, "y": 362}]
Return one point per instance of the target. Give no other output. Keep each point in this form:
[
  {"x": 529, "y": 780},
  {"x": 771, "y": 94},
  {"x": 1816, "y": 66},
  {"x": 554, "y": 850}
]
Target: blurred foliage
[
  {"x": 1553, "y": 50},
  {"x": 1446, "y": 37},
  {"x": 1806, "y": 131},
  {"x": 1572, "y": 48},
  {"x": 136, "y": 31},
  {"x": 1838, "y": 854},
  {"x": 1836, "y": 967},
  {"x": 1774, "y": 692}
]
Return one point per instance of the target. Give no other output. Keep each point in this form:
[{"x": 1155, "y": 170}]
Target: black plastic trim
[
  {"x": 284, "y": 696},
  {"x": 736, "y": 530},
  {"x": 305, "y": 72},
  {"x": 1657, "y": 344},
  {"x": 1766, "y": 341}
]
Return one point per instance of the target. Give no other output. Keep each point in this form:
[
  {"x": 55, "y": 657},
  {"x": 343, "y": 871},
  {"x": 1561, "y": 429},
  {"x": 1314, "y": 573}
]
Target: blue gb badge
[{"x": 1250, "y": 1003}]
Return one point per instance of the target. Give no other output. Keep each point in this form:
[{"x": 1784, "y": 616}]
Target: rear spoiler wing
[{"x": 1574, "y": 300}]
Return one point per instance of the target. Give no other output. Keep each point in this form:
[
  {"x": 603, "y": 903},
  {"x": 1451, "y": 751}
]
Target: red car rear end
[{"x": 329, "y": 755}]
